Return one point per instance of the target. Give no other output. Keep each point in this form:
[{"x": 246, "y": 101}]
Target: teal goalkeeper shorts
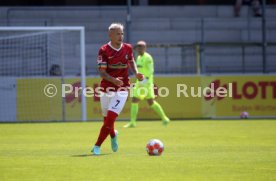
[{"x": 143, "y": 91}]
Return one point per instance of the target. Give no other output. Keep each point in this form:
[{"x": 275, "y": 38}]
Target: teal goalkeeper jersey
[{"x": 145, "y": 66}]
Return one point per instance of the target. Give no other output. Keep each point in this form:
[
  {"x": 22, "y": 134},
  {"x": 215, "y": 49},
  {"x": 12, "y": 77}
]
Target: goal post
[{"x": 31, "y": 57}]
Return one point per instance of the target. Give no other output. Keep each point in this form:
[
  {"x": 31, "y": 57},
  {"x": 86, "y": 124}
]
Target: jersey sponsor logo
[{"x": 117, "y": 66}]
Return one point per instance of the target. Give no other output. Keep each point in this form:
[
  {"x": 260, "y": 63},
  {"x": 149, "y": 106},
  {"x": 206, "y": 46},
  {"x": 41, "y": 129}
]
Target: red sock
[
  {"x": 112, "y": 131},
  {"x": 107, "y": 128},
  {"x": 113, "y": 116},
  {"x": 102, "y": 136}
]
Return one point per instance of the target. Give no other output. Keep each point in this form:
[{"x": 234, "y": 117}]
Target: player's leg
[
  {"x": 104, "y": 99},
  {"x": 116, "y": 105},
  {"x": 155, "y": 105},
  {"x": 134, "y": 107},
  {"x": 159, "y": 110},
  {"x": 134, "y": 110}
]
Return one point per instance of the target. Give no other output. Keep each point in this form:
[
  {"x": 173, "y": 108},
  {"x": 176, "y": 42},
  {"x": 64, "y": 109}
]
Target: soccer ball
[
  {"x": 244, "y": 115},
  {"x": 155, "y": 147}
]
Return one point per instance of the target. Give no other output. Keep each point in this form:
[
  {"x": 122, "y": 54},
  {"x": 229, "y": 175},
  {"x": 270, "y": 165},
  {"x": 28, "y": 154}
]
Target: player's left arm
[
  {"x": 148, "y": 71},
  {"x": 150, "y": 66},
  {"x": 133, "y": 68}
]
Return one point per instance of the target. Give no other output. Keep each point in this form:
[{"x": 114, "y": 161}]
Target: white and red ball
[
  {"x": 155, "y": 147},
  {"x": 244, "y": 115}
]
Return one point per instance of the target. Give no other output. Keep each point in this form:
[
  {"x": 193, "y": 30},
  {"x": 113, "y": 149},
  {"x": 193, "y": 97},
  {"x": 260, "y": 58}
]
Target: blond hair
[{"x": 114, "y": 26}]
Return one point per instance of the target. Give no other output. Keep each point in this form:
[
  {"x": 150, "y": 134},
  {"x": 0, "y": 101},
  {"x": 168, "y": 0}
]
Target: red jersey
[{"x": 115, "y": 61}]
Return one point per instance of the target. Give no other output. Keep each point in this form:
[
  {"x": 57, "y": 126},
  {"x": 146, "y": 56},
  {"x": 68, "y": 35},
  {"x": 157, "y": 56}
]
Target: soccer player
[
  {"x": 114, "y": 59},
  {"x": 145, "y": 66}
]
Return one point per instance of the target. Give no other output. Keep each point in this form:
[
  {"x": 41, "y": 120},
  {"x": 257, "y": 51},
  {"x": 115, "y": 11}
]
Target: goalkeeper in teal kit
[{"x": 144, "y": 89}]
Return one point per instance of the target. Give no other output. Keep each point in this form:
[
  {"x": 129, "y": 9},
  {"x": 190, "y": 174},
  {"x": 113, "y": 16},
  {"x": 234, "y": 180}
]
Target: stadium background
[
  {"x": 196, "y": 43},
  {"x": 193, "y": 42}
]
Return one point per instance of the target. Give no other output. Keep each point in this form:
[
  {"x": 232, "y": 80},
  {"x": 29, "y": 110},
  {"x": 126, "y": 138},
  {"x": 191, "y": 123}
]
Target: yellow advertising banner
[
  {"x": 166, "y": 91},
  {"x": 253, "y": 94},
  {"x": 31, "y": 102},
  {"x": 180, "y": 97}
]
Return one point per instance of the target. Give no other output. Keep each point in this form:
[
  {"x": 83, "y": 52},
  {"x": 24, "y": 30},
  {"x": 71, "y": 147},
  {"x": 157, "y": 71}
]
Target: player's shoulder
[
  {"x": 104, "y": 47},
  {"x": 127, "y": 45},
  {"x": 148, "y": 56}
]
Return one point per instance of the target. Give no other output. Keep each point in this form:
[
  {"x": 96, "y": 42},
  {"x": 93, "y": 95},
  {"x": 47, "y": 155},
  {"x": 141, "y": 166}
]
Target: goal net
[{"x": 32, "y": 58}]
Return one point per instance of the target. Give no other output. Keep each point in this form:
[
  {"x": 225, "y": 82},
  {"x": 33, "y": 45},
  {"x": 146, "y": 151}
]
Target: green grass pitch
[{"x": 194, "y": 150}]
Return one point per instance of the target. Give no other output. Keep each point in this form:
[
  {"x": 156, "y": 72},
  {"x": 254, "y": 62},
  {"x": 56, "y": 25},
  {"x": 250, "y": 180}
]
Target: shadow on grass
[{"x": 91, "y": 155}]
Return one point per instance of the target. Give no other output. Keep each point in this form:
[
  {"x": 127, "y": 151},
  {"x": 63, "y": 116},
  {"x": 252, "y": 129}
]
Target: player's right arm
[
  {"x": 148, "y": 69},
  {"x": 149, "y": 66},
  {"x": 102, "y": 65},
  {"x": 109, "y": 78},
  {"x": 133, "y": 66}
]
